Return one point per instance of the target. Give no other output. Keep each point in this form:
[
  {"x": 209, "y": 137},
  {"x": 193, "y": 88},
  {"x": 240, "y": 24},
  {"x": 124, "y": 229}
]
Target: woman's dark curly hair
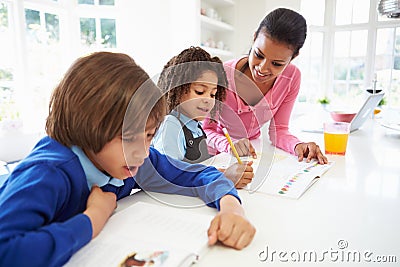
[{"x": 182, "y": 70}]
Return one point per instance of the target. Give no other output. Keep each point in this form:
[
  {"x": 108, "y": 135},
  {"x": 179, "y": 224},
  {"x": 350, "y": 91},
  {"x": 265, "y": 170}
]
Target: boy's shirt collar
[
  {"x": 93, "y": 175},
  {"x": 192, "y": 125}
]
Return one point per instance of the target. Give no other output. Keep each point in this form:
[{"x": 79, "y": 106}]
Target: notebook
[
  {"x": 362, "y": 115},
  {"x": 281, "y": 174},
  {"x": 147, "y": 234},
  {"x": 291, "y": 179}
]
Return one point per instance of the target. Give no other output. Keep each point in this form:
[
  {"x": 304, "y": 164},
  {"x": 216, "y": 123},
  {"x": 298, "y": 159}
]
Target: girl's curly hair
[{"x": 185, "y": 68}]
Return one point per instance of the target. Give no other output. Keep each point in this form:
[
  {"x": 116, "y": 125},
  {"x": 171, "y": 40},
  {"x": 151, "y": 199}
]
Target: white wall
[
  {"x": 158, "y": 29},
  {"x": 249, "y": 14},
  {"x": 155, "y": 30},
  {"x": 292, "y": 4}
]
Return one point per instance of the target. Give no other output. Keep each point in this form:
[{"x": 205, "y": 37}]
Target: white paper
[
  {"x": 178, "y": 235},
  {"x": 290, "y": 178}
]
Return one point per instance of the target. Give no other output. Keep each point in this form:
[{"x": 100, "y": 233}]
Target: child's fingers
[
  {"x": 244, "y": 239},
  {"x": 236, "y": 232},
  {"x": 247, "y": 166},
  {"x": 249, "y": 169},
  {"x": 212, "y": 231}
]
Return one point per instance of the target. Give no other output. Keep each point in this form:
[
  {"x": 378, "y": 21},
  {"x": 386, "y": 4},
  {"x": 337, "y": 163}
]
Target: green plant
[
  {"x": 324, "y": 100},
  {"x": 382, "y": 102}
]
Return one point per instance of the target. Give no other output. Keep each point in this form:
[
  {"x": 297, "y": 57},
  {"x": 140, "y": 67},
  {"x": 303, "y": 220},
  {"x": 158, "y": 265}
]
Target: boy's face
[
  {"x": 200, "y": 100},
  {"x": 122, "y": 156}
]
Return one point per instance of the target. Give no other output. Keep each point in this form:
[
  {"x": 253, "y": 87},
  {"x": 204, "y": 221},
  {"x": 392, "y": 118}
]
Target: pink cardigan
[{"x": 244, "y": 121}]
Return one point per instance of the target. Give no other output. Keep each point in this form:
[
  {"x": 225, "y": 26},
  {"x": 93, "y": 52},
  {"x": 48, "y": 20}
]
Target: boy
[{"x": 97, "y": 150}]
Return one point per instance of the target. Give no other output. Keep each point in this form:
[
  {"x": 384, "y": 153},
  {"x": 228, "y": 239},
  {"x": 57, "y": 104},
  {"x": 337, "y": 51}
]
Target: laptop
[{"x": 362, "y": 115}]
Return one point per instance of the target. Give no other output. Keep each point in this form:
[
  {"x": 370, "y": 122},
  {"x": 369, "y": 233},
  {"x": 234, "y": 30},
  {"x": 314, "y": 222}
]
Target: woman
[{"x": 263, "y": 87}]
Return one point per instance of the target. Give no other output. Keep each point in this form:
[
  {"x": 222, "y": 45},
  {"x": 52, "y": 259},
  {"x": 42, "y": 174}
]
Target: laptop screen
[
  {"x": 365, "y": 111},
  {"x": 362, "y": 115}
]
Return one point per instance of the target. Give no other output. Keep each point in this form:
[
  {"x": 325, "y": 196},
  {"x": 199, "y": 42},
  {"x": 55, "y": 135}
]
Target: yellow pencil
[{"x": 232, "y": 145}]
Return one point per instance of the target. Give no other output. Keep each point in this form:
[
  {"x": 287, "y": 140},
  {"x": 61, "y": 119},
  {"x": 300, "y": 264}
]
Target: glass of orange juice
[{"x": 336, "y": 135}]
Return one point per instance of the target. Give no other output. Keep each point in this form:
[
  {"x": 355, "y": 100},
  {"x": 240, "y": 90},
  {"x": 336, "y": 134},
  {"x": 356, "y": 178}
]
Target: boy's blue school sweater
[{"x": 41, "y": 203}]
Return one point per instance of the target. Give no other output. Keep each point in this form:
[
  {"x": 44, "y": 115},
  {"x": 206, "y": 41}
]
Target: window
[
  {"x": 98, "y": 32},
  {"x": 387, "y": 62},
  {"x": 346, "y": 50},
  {"x": 97, "y": 25},
  {"x": 97, "y": 2},
  {"x": 310, "y": 60},
  {"x": 312, "y": 53},
  {"x": 40, "y": 39},
  {"x": 351, "y": 12},
  {"x": 349, "y": 65},
  {"x": 9, "y": 111},
  {"x": 44, "y": 51}
]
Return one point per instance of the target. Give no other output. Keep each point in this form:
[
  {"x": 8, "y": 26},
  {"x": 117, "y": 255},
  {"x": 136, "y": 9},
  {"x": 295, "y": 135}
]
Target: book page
[
  {"x": 290, "y": 178},
  {"x": 166, "y": 236},
  {"x": 223, "y": 160}
]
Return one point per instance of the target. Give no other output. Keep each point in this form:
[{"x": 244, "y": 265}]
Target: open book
[
  {"x": 290, "y": 178},
  {"x": 277, "y": 173},
  {"x": 147, "y": 235}
]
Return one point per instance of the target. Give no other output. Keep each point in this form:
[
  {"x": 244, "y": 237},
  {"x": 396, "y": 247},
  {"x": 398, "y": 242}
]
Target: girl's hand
[
  {"x": 310, "y": 150},
  {"x": 100, "y": 205},
  {"x": 230, "y": 227},
  {"x": 240, "y": 174},
  {"x": 245, "y": 148}
]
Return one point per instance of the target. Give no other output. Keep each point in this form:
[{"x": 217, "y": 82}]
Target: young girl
[
  {"x": 194, "y": 83},
  {"x": 103, "y": 115}
]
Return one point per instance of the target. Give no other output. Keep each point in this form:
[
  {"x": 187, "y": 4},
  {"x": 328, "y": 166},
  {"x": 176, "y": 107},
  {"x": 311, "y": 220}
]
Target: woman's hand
[
  {"x": 310, "y": 150},
  {"x": 245, "y": 148},
  {"x": 230, "y": 227},
  {"x": 240, "y": 174}
]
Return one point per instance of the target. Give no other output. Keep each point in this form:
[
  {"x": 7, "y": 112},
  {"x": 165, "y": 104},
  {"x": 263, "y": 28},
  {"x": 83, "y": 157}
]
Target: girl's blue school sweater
[{"x": 41, "y": 203}]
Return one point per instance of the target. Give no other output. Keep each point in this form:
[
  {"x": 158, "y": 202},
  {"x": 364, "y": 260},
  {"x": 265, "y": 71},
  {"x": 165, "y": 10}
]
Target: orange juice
[
  {"x": 335, "y": 143},
  {"x": 377, "y": 111}
]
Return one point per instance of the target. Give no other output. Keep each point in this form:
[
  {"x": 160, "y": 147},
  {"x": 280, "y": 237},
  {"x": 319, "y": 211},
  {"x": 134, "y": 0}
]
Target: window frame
[{"x": 329, "y": 29}]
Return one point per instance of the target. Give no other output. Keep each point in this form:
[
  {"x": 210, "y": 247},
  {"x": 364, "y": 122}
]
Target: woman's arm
[{"x": 279, "y": 126}]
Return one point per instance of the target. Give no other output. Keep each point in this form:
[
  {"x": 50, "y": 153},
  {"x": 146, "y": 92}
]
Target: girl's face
[
  {"x": 122, "y": 156},
  {"x": 200, "y": 100},
  {"x": 268, "y": 58}
]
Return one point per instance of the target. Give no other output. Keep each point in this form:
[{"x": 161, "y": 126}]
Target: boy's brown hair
[
  {"x": 185, "y": 68},
  {"x": 98, "y": 92}
]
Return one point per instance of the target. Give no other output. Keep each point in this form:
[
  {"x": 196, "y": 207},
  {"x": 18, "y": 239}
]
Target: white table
[{"x": 353, "y": 210}]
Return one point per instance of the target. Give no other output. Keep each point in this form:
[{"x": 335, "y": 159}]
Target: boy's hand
[
  {"x": 100, "y": 205},
  {"x": 245, "y": 148},
  {"x": 240, "y": 174},
  {"x": 230, "y": 226}
]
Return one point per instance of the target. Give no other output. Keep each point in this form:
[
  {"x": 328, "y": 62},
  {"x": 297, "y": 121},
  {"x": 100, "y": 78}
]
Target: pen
[{"x": 231, "y": 144}]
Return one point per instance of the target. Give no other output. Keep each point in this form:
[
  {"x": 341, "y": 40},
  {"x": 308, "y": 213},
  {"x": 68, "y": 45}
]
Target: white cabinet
[{"x": 217, "y": 31}]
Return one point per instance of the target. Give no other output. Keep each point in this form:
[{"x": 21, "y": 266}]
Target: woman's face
[{"x": 268, "y": 58}]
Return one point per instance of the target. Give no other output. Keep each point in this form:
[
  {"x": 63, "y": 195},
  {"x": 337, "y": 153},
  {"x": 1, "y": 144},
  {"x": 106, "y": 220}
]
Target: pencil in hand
[{"x": 232, "y": 145}]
